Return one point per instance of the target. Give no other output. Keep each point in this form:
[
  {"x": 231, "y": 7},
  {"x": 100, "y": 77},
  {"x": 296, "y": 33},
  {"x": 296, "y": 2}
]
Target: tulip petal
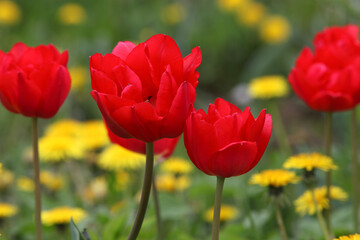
[
  {"x": 167, "y": 91},
  {"x": 28, "y": 97},
  {"x": 254, "y": 131},
  {"x": 191, "y": 62},
  {"x": 234, "y": 159},
  {"x": 102, "y": 83},
  {"x": 331, "y": 101},
  {"x": 122, "y": 49}
]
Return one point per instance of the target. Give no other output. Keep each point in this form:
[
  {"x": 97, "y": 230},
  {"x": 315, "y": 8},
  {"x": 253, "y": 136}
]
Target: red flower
[
  {"x": 145, "y": 91},
  {"x": 164, "y": 147},
  {"x": 328, "y": 79},
  {"x": 34, "y": 81},
  {"x": 226, "y": 142}
]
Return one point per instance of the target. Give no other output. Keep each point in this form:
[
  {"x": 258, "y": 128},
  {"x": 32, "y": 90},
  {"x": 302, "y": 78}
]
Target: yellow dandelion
[
  {"x": 71, "y": 14},
  {"x": 305, "y": 204},
  {"x": 349, "y": 237},
  {"x": 170, "y": 183},
  {"x": 60, "y": 148},
  {"x": 272, "y": 86},
  {"x": 117, "y": 158},
  {"x": 231, "y": 5},
  {"x": 310, "y": 161},
  {"x": 7, "y": 210},
  {"x": 274, "y": 178},
  {"x": 176, "y": 165},
  {"x": 173, "y": 14},
  {"x": 10, "y": 13},
  {"x": 62, "y": 215},
  {"x": 251, "y": 13},
  {"x": 94, "y": 135},
  {"x": 97, "y": 189},
  {"x": 122, "y": 180},
  {"x": 25, "y": 184},
  {"x": 64, "y": 127},
  {"x": 51, "y": 181},
  {"x": 274, "y": 29},
  {"x": 6, "y": 178},
  {"x": 227, "y": 213},
  {"x": 78, "y": 77}
]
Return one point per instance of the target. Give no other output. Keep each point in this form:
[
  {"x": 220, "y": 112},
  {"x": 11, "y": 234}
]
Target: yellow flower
[
  {"x": 231, "y": 5},
  {"x": 25, "y": 184},
  {"x": 94, "y": 135},
  {"x": 122, "y": 180},
  {"x": 173, "y": 13},
  {"x": 227, "y": 213},
  {"x": 266, "y": 87},
  {"x": 78, "y": 77},
  {"x": 64, "y": 128},
  {"x": 10, "y": 13},
  {"x": 251, "y": 13},
  {"x": 170, "y": 183},
  {"x": 62, "y": 215},
  {"x": 350, "y": 237},
  {"x": 305, "y": 204},
  {"x": 71, "y": 14},
  {"x": 60, "y": 148},
  {"x": 7, "y": 210},
  {"x": 176, "y": 165},
  {"x": 117, "y": 158},
  {"x": 274, "y": 29},
  {"x": 274, "y": 178},
  {"x": 310, "y": 161},
  {"x": 52, "y": 181},
  {"x": 97, "y": 189},
  {"x": 6, "y": 178}
]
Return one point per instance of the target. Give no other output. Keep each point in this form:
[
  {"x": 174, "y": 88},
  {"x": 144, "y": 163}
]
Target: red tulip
[
  {"x": 328, "y": 79},
  {"x": 226, "y": 142},
  {"x": 145, "y": 91},
  {"x": 164, "y": 147},
  {"x": 34, "y": 81}
]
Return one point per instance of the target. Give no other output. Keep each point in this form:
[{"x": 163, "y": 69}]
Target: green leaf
[{"x": 75, "y": 232}]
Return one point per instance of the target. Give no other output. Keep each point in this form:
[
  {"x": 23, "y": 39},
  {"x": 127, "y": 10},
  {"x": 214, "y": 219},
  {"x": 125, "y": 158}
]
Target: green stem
[
  {"x": 280, "y": 221},
  {"x": 279, "y": 130},
  {"x": 328, "y": 139},
  {"x": 355, "y": 166},
  {"x": 145, "y": 192},
  {"x": 157, "y": 210},
  {"x": 217, "y": 208},
  {"x": 320, "y": 217},
  {"x": 38, "y": 225}
]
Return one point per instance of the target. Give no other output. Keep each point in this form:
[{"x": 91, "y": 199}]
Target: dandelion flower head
[
  {"x": 53, "y": 182},
  {"x": 122, "y": 180},
  {"x": 71, "y": 14},
  {"x": 25, "y": 184},
  {"x": 275, "y": 29},
  {"x": 117, "y": 158},
  {"x": 310, "y": 161},
  {"x": 78, "y": 77},
  {"x": 251, "y": 13},
  {"x": 62, "y": 215},
  {"x": 97, "y": 189},
  {"x": 272, "y": 86},
  {"x": 231, "y": 5},
  {"x": 227, "y": 213},
  {"x": 10, "y": 12},
  {"x": 274, "y": 178},
  {"x": 305, "y": 204},
  {"x": 177, "y": 166},
  {"x": 6, "y": 178},
  {"x": 349, "y": 237},
  {"x": 170, "y": 183},
  {"x": 94, "y": 134},
  {"x": 60, "y": 148},
  {"x": 7, "y": 210},
  {"x": 64, "y": 128}
]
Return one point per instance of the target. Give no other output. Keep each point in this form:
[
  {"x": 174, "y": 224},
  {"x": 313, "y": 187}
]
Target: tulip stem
[
  {"x": 328, "y": 139},
  {"x": 355, "y": 169},
  {"x": 217, "y": 208},
  {"x": 280, "y": 221},
  {"x": 157, "y": 210},
  {"x": 320, "y": 217},
  {"x": 38, "y": 225},
  {"x": 145, "y": 192}
]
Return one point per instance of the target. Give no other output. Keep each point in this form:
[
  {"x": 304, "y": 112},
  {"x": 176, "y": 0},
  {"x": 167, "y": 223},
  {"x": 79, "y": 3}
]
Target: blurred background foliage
[{"x": 240, "y": 40}]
